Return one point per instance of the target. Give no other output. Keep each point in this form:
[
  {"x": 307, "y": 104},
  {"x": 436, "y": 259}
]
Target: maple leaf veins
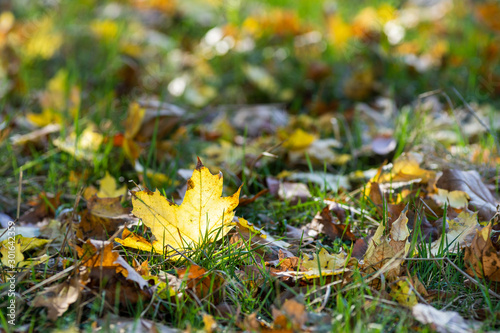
[{"x": 200, "y": 216}]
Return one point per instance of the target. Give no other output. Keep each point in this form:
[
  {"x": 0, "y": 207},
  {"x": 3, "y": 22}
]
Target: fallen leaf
[
  {"x": 104, "y": 257},
  {"x": 382, "y": 249},
  {"x": 202, "y": 283},
  {"x": 403, "y": 293},
  {"x": 293, "y": 192},
  {"x": 455, "y": 199},
  {"x": 323, "y": 222},
  {"x": 210, "y": 324},
  {"x": 299, "y": 140},
  {"x": 20, "y": 245},
  {"x": 323, "y": 264},
  {"x": 325, "y": 181},
  {"x": 443, "y": 321},
  {"x": 459, "y": 234},
  {"x": 84, "y": 146},
  {"x": 43, "y": 206},
  {"x": 292, "y": 313},
  {"x": 482, "y": 257},
  {"x": 37, "y": 137},
  {"x": 407, "y": 169},
  {"x": 58, "y": 298},
  {"x": 102, "y": 218},
  {"x": 203, "y": 214},
  {"x": 470, "y": 182},
  {"x": 109, "y": 189}
]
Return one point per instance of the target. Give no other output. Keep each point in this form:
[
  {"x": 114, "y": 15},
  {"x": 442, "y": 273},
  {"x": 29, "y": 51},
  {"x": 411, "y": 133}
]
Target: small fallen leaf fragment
[
  {"x": 58, "y": 298},
  {"x": 403, "y": 293},
  {"x": 210, "y": 325},
  {"x": 482, "y": 257},
  {"x": 46, "y": 118},
  {"x": 244, "y": 224},
  {"x": 109, "y": 188},
  {"x": 37, "y": 137},
  {"x": 460, "y": 233},
  {"x": 202, "y": 282},
  {"x": 84, "y": 146},
  {"x": 293, "y": 192},
  {"x": 292, "y": 313},
  {"x": 148, "y": 117},
  {"x": 359, "y": 248},
  {"x": 135, "y": 241},
  {"x": 299, "y": 140},
  {"x": 470, "y": 182},
  {"x": 455, "y": 199},
  {"x": 443, "y": 321},
  {"x": 203, "y": 214}
]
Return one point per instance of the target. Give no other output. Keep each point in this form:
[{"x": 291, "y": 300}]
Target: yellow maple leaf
[{"x": 203, "y": 215}]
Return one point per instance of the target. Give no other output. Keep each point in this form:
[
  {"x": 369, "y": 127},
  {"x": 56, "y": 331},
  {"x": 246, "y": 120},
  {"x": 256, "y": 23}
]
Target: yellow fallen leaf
[
  {"x": 12, "y": 251},
  {"x": 203, "y": 215},
  {"x": 324, "y": 264},
  {"x": 43, "y": 39},
  {"x": 109, "y": 188},
  {"x": 455, "y": 199},
  {"x": 407, "y": 169},
  {"x": 47, "y": 117},
  {"x": 85, "y": 146},
  {"x": 210, "y": 323},
  {"x": 299, "y": 140},
  {"x": 403, "y": 293},
  {"x": 134, "y": 120}
]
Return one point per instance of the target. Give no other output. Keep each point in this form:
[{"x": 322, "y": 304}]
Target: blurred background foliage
[{"x": 65, "y": 59}]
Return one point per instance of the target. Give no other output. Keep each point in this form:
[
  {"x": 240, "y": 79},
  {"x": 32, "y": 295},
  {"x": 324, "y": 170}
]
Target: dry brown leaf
[
  {"x": 58, "y": 298},
  {"x": 202, "y": 283},
  {"x": 482, "y": 258},
  {"x": 43, "y": 206},
  {"x": 102, "y": 218},
  {"x": 334, "y": 230},
  {"x": 382, "y": 249},
  {"x": 105, "y": 258},
  {"x": 292, "y": 314}
]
